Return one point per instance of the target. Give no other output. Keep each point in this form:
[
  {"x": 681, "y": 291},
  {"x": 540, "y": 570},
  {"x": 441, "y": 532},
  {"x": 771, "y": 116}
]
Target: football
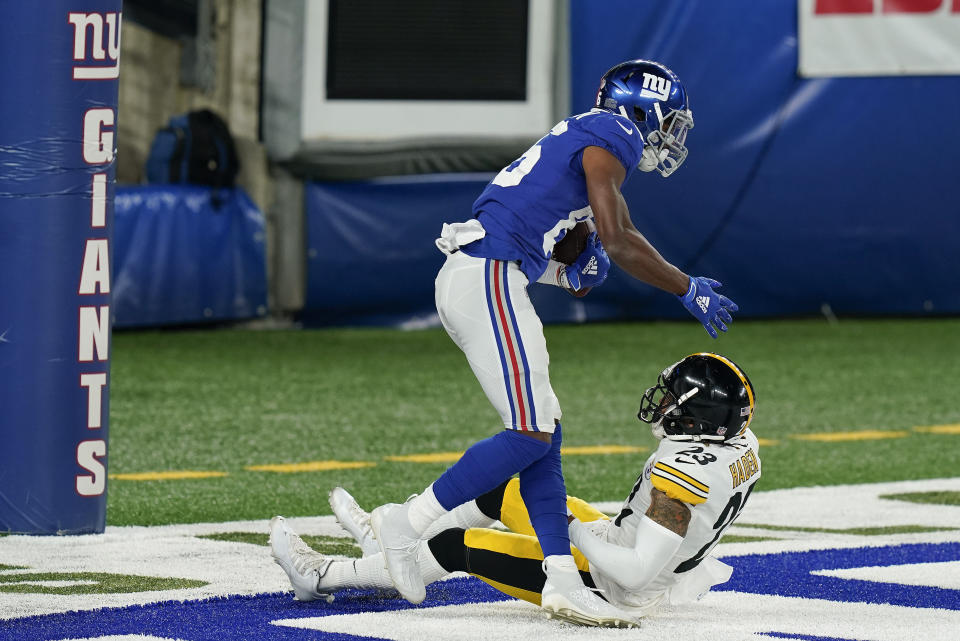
[{"x": 572, "y": 244}]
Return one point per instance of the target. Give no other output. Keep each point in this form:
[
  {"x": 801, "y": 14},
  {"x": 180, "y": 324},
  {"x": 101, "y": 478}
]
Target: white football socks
[
  {"x": 423, "y": 510},
  {"x": 561, "y": 563},
  {"x": 463, "y": 516},
  {"x": 371, "y": 572},
  {"x": 368, "y": 572}
]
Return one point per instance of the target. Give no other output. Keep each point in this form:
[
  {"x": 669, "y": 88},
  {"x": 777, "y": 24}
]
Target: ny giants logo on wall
[
  {"x": 884, "y": 6},
  {"x": 102, "y": 47},
  {"x": 96, "y": 55}
]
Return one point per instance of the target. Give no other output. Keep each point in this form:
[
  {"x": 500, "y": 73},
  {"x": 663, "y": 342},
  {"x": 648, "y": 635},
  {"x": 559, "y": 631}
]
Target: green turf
[
  {"x": 859, "y": 531},
  {"x": 735, "y": 538},
  {"x": 322, "y": 544},
  {"x": 940, "y": 498},
  {"x": 90, "y": 583},
  {"x": 221, "y": 400}
]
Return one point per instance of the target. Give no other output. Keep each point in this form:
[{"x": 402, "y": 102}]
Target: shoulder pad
[
  {"x": 678, "y": 484},
  {"x": 616, "y": 134}
]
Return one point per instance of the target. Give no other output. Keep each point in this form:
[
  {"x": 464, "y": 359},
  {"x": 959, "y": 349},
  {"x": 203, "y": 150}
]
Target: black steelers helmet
[{"x": 704, "y": 397}]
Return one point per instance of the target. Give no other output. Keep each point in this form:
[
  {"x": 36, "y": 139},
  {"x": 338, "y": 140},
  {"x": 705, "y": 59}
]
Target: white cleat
[
  {"x": 565, "y": 597},
  {"x": 400, "y": 544},
  {"x": 304, "y": 567},
  {"x": 354, "y": 519}
]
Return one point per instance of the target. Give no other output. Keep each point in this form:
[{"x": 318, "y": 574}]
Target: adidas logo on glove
[
  {"x": 704, "y": 303},
  {"x": 590, "y": 267}
]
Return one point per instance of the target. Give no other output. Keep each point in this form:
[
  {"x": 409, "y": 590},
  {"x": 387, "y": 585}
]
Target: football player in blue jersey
[{"x": 572, "y": 175}]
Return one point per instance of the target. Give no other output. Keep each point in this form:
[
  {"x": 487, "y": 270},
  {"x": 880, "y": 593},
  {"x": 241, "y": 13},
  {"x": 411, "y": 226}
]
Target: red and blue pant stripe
[{"x": 513, "y": 358}]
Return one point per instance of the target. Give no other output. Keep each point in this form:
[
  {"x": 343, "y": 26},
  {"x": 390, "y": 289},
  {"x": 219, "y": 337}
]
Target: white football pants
[{"x": 484, "y": 307}]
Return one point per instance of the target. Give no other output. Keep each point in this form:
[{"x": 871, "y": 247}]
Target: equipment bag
[{"x": 194, "y": 148}]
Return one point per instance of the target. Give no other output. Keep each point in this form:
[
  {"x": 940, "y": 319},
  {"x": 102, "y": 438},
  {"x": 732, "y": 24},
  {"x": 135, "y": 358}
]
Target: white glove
[{"x": 597, "y": 528}]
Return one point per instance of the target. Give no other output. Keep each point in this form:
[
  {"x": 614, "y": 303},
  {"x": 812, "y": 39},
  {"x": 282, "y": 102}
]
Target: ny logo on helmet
[{"x": 655, "y": 87}]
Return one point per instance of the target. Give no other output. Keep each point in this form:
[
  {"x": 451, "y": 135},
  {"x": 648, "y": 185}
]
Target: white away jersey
[{"x": 714, "y": 481}]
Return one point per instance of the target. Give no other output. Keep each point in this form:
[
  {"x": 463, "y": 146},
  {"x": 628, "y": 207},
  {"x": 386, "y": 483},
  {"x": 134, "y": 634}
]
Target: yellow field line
[
  {"x": 433, "y": 457},
  {"x": 587, "y": 450},
  {"x": 953, "y": 428},
  {"x": 170, "y": 475},
  {"x": 576, "y": 450},
  {"x": 862, "y": 435},
  {"x": 581, "y": 450},
  {"x": 309, "y": 466}
]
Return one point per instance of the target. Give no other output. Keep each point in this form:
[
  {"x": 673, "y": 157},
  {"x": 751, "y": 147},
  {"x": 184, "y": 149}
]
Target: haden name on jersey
[{"x": 744, "y": 468}]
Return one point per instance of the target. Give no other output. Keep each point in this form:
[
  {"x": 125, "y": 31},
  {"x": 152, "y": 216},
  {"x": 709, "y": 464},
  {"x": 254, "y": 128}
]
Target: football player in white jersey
[
  {"x": 572, "y": 175},
  {"x": 657, "y": 549}
]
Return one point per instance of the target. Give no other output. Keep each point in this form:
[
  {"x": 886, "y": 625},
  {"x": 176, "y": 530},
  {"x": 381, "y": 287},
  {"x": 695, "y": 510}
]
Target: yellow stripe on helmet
[{"x": 740, "y": 375}]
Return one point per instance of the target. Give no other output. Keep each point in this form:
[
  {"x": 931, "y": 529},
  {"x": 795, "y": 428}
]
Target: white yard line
[
  {"x": 718, "y": 617},
  {"x": 243, "y": 569}
]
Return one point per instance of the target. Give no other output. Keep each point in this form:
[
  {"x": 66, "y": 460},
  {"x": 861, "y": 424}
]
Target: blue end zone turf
[
  {"x": 236, "y": 618},
  {"x": 787, "y": 636},
  {"x": 790, "y": 574}
]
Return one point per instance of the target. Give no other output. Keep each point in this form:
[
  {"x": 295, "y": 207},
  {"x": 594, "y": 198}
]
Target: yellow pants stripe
[{"x": 516, "y": 593}]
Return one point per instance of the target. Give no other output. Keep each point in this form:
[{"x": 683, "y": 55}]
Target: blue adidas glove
[
  {"x": 707, "y": 306},
  {"x": 591, "y": 267}
]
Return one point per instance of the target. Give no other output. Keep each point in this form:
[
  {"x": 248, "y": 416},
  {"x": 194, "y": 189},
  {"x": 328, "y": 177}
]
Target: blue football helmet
[{"x": 651, "y": 96}]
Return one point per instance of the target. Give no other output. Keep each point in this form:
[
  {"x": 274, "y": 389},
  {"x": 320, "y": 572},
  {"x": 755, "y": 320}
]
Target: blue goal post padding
[{"x": 59, "y": 65}]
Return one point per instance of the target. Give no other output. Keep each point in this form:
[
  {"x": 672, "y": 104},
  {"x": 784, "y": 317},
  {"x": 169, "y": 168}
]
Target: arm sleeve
[{"x": 632, "y": 568}]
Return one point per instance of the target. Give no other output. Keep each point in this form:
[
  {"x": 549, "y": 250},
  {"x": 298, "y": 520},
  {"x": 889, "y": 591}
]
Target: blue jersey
[{"x": 532, "y": 203}]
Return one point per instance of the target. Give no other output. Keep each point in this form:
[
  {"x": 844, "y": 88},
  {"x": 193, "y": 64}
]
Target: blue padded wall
[
  {"x": 371, "y": 257},
  {"x": 797, "y": 192},
  {"x": 187, "y": 254}
]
